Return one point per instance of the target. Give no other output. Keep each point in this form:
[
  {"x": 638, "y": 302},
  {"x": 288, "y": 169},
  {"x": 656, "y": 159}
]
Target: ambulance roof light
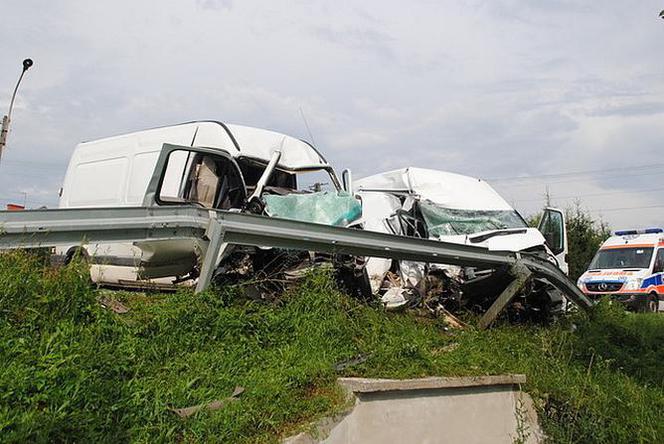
[{"x": 652, "y": 230}]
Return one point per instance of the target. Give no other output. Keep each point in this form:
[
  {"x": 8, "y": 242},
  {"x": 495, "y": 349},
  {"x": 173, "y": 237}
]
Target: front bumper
[{"x": 632, "y": 301}]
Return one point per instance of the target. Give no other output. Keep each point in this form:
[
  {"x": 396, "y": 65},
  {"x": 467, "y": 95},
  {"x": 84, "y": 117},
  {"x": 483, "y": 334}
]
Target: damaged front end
[
  {"x": 310, "y": 195},
  {"x": 452, "y": 208}
]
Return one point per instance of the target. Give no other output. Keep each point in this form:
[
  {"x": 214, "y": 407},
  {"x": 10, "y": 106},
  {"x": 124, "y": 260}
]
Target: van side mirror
[{"x": 347, "y": 180}]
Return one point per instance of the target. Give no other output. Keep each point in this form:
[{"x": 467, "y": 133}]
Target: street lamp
[{"x": 27, "y": 63}]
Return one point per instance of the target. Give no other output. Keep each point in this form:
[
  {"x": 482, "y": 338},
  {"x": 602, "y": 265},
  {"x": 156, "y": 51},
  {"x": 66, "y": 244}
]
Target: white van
[
  {"x": 453, "y": 208},
  {"x": 629, "y": 267},
  {"x": 205, "y": 163}
]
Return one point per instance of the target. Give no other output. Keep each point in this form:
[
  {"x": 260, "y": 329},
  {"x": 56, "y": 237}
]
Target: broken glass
[{"x": 328, "y": 208}]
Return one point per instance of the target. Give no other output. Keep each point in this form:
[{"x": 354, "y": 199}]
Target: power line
[
  {"x": 627, "y": 208},
  {"x": 622, "y": 175},
  {"x": 553, "y": 197},
  {"x": 576, "y": 173}
]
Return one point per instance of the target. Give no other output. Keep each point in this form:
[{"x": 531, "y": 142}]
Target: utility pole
[{"x": 27, "y": 63}]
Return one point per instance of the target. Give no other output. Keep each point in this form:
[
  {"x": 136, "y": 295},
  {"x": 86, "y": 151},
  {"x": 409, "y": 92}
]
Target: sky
[{"x": 564, "y": 97}]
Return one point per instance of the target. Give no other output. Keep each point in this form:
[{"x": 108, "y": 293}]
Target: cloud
[
  {"x": 215, "y": 4},
  {"x": 487, "y": 88}
]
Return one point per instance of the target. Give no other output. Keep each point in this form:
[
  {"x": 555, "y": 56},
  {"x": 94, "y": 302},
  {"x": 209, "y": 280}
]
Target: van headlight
[
  {"x": 633, "y": 284},
  {"x": 579, "y": 284}
]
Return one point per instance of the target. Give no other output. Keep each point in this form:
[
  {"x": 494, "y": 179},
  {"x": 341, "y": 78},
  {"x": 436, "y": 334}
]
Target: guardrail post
[
  {"x": 215, "y": 234},
  {"x": 521, "y": 275}
]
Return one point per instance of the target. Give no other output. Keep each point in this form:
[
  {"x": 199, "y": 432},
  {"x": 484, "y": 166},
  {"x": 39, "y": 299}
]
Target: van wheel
[
  {"x": 653, "y": 303},
  {"x": 81, "y": 255},
  {"x": 76, "y": 253}
]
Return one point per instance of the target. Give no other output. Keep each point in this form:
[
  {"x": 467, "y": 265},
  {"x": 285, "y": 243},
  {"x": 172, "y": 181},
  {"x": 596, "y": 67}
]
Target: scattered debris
[
  {"x": 360, "y": 359},
  {"x": 452, "y": 320},
  {"x": 113, "y": 304},
  {"x": 446, "y": 349},
  {"x": 213, "y": 405}
]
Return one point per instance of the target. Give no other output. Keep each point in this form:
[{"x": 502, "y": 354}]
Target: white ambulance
[{"x": 628, "y": 267}]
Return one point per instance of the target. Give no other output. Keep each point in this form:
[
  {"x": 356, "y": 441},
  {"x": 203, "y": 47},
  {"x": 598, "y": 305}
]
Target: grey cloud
[
  {"x": 214, "y": 4},
  {"x": 362, "y": 40},
  {"x": 487, "y": 88}
]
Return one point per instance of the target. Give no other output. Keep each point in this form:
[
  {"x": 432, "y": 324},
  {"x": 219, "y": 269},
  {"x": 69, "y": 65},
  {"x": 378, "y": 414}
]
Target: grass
[{"x": 73, "y": 371}]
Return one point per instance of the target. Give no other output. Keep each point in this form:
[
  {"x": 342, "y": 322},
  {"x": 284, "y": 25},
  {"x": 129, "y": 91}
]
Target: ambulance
[{"x": 628, "y": 267}]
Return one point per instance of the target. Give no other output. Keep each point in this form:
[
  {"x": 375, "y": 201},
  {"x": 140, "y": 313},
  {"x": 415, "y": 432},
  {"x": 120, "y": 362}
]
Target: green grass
[{"x": 73, "y": 371}]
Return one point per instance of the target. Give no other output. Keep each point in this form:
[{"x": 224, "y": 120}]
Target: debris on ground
[
  {"x": 113, "y": 304},
  {"x": 213, "y": 405},
  {"x": 357, "y": 360}
]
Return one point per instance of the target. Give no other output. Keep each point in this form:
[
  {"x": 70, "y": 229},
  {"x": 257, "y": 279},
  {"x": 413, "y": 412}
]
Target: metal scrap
[
  {"x": 213, "y": 405},
  {"x": 113, "y": 304},
  {"x": 357, "y": 360}
]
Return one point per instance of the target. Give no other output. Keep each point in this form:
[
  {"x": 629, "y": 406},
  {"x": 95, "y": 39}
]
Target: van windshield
[
  {"x": 628, "y": 257},
  {"x": 443, "y": 221}
]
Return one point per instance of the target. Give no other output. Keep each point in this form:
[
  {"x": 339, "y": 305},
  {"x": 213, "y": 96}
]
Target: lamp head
[{"x": 27, "y": 63}]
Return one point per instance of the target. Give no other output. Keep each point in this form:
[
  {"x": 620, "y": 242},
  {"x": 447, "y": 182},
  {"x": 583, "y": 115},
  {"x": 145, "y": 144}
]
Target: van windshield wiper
[{"x": 504, "y": 232}]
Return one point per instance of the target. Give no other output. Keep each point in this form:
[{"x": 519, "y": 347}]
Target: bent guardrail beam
[{"x": 40, "y": 228}]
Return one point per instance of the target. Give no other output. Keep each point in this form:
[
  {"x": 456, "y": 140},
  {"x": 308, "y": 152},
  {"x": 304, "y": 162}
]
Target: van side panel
[
  {"x": 102, "y": 182},
  {"x": 99, "y": 183},
  {"x": 141, "y": 171}
]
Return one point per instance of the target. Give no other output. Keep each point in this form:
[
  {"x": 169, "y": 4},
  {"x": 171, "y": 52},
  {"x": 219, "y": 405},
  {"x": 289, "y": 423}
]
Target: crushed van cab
[
  {"x": 628, "y": 268},
  {"x": 451, "y": 207}
]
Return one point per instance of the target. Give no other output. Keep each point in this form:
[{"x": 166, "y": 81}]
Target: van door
[
  {"x": 207, "y": 177},
  {"x": 554, "y": 229},
  {"x": 183, "y": 175}
]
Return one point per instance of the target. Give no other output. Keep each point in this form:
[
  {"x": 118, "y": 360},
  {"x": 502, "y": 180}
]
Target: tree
[
  {"x": 585, "y": 234},
  {"x": 584, "y": 237}
]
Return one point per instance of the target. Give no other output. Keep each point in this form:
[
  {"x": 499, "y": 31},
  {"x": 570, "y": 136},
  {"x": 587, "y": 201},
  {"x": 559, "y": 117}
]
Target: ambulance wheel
[{"x": 653, "y": 303}]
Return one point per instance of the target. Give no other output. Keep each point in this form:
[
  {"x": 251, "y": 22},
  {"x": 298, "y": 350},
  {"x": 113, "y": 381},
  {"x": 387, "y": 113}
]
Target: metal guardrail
[{"x": 40, "y": 228}]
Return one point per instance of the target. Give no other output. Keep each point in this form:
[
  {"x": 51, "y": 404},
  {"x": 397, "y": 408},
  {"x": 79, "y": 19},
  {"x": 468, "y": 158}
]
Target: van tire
[{"x": 76, "y": 252}]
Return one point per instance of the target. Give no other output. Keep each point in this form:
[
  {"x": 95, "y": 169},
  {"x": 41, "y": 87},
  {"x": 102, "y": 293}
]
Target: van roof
[
  {"x": 238, "y": 140},
  {"x": 451, "y": 190},
  {"x": 633, "y": 240}
]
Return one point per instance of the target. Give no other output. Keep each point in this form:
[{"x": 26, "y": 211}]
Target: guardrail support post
[
  {"x": 215, "y": 234},
  {"x": 521, "y": 275}
]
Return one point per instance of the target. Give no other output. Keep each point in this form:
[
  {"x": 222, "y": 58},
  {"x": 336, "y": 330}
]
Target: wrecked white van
[
  {"x": 204, "y": 163},
  {"x": 452, "y": 208}
]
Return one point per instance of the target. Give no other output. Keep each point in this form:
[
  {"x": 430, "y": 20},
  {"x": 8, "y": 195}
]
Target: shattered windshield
[
  {"x": 442, "y": 221},
  {"x": 635, "y": 257}
]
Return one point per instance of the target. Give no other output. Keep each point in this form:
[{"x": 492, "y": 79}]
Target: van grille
[{"x": 604, "y": 286}]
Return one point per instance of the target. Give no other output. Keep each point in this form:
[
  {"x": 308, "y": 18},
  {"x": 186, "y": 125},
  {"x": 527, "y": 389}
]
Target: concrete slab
[{"x": 484, "y": 409}]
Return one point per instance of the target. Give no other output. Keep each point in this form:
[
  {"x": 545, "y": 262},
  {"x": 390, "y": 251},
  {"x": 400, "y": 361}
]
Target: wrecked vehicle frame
[
  {"x": 450, "y": 207},
  {"x": 39, "y": 228},
  {"x": 249, "y": 183}
]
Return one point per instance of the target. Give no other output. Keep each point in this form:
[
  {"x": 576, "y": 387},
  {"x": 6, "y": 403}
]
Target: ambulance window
[{"x": 659, "y": 262}]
